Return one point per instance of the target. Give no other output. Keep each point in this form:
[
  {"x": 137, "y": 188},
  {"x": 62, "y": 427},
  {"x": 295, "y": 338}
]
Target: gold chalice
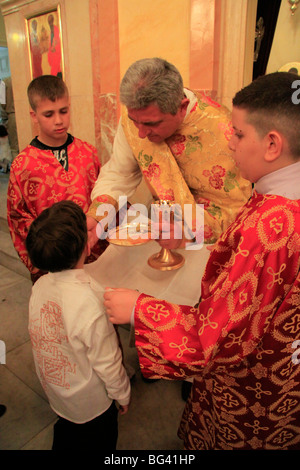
[{"x": 165, "y": 259}]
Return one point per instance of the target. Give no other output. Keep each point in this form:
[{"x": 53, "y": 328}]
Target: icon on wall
[{"x": 45, "y": 44}]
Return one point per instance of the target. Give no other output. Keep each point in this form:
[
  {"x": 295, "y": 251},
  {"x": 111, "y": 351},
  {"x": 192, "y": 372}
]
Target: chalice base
[{"x": 166, "y": 260}]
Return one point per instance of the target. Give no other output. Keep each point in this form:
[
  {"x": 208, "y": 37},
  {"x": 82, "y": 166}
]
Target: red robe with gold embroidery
[
  {"x": 239, "y": 343},
  {"x": 38, "y": 180}
]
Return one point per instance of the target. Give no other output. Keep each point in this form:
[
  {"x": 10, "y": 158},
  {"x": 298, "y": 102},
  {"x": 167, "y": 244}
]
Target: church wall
[
  {"x": 101, "y": 38},
  {"x": 285, "y": 48}
]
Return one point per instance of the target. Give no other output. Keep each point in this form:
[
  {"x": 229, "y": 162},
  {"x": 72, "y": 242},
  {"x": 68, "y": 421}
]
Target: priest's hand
[
  {"x": 119, "y": 304},
  {"x": 92, "y": 231},
  {"x": 168, "y": 234}
]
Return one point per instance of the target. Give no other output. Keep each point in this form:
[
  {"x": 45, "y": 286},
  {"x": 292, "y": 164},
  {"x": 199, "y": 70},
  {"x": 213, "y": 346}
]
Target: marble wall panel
[
  {"x": 108, "y": 125},
  {"x": 106, "y": 73}
]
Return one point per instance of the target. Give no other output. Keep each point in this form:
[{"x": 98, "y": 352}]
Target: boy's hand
[{"x": 119, "y": 304}]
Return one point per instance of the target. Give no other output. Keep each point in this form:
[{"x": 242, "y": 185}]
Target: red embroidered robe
[
  {"x": 238, "y": 344},
  {"x": 38, "y": 180}
]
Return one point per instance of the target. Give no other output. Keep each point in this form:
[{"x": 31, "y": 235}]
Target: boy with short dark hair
[
  {"x": 75, "y": 347},
  {"x": 239, "y": 343},
  {"x": 53, "y": 167}
]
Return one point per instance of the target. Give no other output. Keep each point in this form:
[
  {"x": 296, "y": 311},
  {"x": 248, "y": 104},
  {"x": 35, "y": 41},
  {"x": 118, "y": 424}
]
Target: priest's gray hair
[{"x": 152, "y": 81}]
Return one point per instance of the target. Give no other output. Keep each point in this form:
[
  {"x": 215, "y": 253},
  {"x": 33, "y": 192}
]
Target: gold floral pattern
[{"x": 194, "y": 166}]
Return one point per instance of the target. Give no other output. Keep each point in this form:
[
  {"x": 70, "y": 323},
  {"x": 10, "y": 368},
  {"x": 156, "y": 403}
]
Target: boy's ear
[
  {"x": 274, "y": 149},
  {"x": 33, "y": 115}
]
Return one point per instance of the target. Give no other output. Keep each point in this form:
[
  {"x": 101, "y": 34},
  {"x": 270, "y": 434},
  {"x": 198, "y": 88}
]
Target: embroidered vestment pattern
[
  {"x": 238, "y": 342},
  {"x": 38, "y": 180}
]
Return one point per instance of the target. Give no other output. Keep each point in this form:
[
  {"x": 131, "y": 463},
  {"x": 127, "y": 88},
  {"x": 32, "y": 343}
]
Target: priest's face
[
  {"x": 154, "y": 124},
  {"x": 247, "y": 146}
]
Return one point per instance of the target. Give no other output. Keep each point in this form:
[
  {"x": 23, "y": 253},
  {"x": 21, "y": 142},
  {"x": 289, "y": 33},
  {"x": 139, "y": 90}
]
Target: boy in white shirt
[{"x": 76, "y": 351}]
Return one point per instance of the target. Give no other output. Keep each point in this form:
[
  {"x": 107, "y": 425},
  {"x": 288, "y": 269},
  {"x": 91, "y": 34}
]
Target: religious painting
[{"x": 45, "y": 44}]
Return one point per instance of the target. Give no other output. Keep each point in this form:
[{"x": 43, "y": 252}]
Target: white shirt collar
[
  {"x": 71, "y": 275},
  {"x": 284, "y": 182},
  {"x": 193, "y": 99}
]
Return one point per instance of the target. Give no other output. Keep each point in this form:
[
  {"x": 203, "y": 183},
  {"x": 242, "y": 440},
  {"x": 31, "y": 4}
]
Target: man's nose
[{"x": 144, "y": 131}]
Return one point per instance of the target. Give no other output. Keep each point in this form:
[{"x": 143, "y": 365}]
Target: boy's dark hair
[
  {"x": 269, "y": 103},
  {"x": 57, "y": 237},
  {"x": 46, "y": 87}
]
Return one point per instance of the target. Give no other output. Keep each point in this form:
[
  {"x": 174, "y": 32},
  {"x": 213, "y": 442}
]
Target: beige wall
[
  {"x": 208, "y": 40},
  {"x": 237, "y": 32},
  {"x": 286, "y": 42},
  {"x": 144, "y": 32}
]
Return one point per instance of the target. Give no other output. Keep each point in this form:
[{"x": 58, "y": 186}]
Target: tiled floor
[{"x": 156, "y": 408}]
